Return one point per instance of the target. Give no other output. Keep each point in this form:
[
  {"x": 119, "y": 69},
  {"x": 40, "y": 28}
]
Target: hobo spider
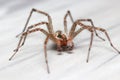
[{"x": 60, "y": 39}]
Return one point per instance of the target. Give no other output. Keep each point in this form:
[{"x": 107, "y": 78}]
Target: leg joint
[
  {"x": 102, "y": 29},
  {"x": 111, "y": 44},
  {"x": 40, "y": 11},
  {"x": 68, "y": 11},
  {"x": 89, "y": 19},
  {"x": 33, "y": 9},
  {"x": 30, "y": 27}
]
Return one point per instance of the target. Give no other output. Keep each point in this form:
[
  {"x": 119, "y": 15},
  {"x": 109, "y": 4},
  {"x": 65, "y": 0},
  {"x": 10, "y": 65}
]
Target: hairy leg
[
  {"x": 46, "y": 60},
  {"x": 33, "y": 26},
  {"x": 21, "y": 38},
  {"x": 65, "y": 21},
  {"x": 105, "y": 32},
  {"x": 72, "y": 33},
  {"x": 77, "y": 32},
  {"x": 90, "y": 20},
  {"x": 50, "y": 28},
  {"x": 91, "y": 41}
]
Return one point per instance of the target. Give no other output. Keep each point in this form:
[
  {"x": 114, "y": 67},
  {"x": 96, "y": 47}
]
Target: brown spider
[{"x": 62, "y": 40}]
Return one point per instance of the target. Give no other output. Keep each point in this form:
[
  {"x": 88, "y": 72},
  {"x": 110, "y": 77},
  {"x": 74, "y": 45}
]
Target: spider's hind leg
[
  {"x": 105, "y": 32},
  {"x": 92, "y": 25}
]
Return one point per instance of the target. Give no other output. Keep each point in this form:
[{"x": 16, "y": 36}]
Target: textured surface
[{"x": 29, "y": 63}]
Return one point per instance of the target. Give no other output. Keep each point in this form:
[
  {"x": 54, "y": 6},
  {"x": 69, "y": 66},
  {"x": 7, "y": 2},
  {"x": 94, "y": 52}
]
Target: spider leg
[
  {"x": 77, "y": 32},
  {"x": 33, "y": 26},
  {"x": 90, "y": 20},
  {"x": 105, "y": 32},
  {"x": 91, "y": 41},
  {"x": 72, "y": 33},
  {"x": 65, "y": 21},
  {"x": 46, "y": 60},
  {"x": 50, "y": 28},
  {"x": 16, "y": 50},
  {"x": 22, "y": 36}
]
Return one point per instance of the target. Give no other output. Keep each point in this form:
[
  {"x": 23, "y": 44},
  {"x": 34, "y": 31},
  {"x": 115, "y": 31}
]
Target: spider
[{"x": 64, "y": 41}]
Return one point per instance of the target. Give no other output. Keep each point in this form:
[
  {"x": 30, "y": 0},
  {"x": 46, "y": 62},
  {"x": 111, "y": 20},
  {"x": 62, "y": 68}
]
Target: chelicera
[{"x": 64, "y": 41}]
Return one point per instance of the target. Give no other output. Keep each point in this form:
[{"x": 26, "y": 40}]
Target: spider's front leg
[
  {"x": 50, "y": 28},
  {"x": 65, "y": 21},
  {"x": 46, "y": 60},
  {"x": 74, "y": 33}
]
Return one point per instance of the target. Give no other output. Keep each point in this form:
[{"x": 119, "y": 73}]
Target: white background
[{"x": 29, "y": 63}]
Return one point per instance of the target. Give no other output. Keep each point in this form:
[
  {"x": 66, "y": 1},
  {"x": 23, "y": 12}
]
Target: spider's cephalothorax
[{"x": 63, "y": 42}]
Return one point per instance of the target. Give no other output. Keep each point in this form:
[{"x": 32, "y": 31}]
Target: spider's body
[{"x": 63, "y": 41}]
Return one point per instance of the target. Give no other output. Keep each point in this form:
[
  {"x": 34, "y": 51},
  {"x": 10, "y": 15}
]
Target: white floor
[{"x": 29, "y": 63}]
